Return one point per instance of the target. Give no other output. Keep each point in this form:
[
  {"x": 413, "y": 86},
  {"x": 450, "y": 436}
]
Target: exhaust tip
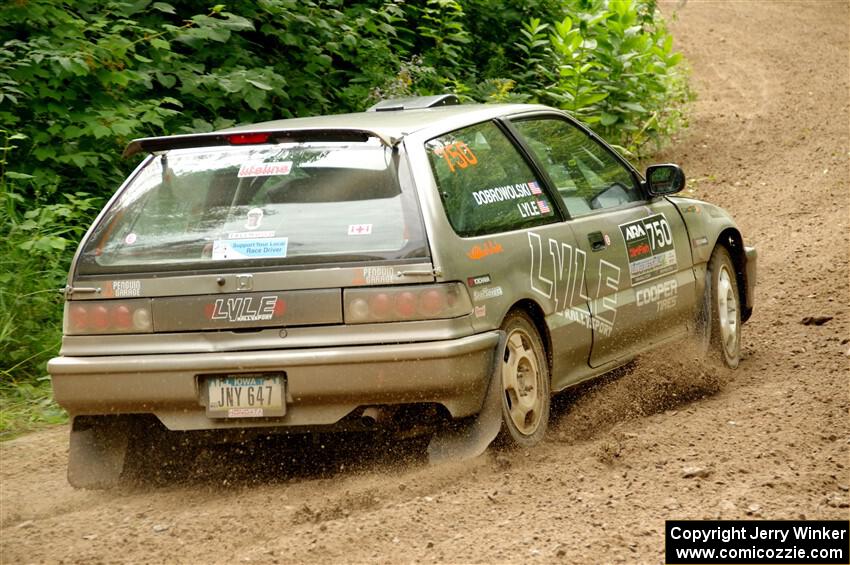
[{"x": 372, "y": 415}]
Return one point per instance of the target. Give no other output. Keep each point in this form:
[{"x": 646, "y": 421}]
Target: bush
[
  {"x": 611, "y": 64},
  {"x": 34, "y": 255},
  {"x": 79, "y": 81}
]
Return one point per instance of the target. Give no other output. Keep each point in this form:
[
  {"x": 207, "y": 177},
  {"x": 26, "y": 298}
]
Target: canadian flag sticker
[{"x": 359, "y": 229}]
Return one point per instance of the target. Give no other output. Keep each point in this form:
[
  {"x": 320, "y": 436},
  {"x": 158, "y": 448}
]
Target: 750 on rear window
[{"x": 485, "y": 184}]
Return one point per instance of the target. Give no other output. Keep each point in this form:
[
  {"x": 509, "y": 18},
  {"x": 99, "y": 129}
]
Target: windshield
[{"x": 259, "y": 205}]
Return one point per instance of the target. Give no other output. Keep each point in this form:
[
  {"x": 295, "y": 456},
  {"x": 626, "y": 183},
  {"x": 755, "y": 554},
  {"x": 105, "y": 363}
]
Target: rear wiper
[{"x": 432, "y": 273}]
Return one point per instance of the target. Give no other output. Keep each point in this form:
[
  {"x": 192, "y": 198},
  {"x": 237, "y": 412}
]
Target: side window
[
  {"x": 485, "y": 184},
  {"x": 586, "y": 175}
]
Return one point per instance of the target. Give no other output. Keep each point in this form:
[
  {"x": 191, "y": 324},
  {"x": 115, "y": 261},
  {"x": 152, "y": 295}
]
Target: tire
[
  {"x": 525, "y": 384},
  {"x": 725, "y": 308}
]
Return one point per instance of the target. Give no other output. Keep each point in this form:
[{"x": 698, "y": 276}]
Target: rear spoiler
[{"x": 247, "y": 137}]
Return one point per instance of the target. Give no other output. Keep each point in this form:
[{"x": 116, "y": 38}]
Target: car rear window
[
  {"x": 485, "y": 184},
  {"x": 259, "y": 205}
]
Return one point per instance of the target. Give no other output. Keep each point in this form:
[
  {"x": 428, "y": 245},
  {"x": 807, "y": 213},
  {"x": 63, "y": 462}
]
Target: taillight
[
  {"x": 107, "y": 317},
  {"x": 76, "y": 319},
  {"x": 380, "y": 305},
  {"x": 99, "y": 317},
  {"x": 247, "y": 138},
  {"x": 121, "y": 318},
  {"x": 432, "y": 301},
  {"x": 403, "y": 303}
]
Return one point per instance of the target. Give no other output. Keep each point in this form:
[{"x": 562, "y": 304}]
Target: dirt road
[{"x": 770, "y": 141}]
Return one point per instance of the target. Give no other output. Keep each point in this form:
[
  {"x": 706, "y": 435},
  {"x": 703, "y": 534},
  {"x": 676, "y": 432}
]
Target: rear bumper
[{"x": 323, "y": 385}]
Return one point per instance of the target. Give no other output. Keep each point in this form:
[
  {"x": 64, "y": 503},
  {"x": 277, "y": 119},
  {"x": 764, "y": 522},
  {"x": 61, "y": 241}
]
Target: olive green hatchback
[{"x": 423, "y": 267}]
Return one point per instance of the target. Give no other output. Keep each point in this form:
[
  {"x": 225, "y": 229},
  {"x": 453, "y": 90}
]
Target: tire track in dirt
[{"x": 770, "y": 141}]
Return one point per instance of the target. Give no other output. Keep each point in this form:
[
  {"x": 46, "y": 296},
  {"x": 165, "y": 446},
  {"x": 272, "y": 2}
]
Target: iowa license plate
[{"x": 245, "y": 396}]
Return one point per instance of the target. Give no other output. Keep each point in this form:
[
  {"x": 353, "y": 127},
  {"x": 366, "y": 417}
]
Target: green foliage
[
  {"x": 611, "y": 64},
  {"x": 26, "y": 405},
  {"x": 34, "y": 255},
  {"x": 79, "y": 80}
]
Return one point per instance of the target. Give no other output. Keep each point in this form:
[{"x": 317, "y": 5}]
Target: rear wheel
[
  {"x": 725, "y": 308},
  {"x": 525, "y": 383}
]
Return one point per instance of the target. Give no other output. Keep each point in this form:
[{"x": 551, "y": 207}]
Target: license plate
[{"x": 245, "y": 396}]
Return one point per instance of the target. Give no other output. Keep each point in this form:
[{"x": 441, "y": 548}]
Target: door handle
[{"x": 597, "y": 241}]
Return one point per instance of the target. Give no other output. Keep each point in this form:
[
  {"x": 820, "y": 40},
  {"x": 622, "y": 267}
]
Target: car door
[
  {"x": 638, "y": 273},
  {"x": 512, "y": 243}
]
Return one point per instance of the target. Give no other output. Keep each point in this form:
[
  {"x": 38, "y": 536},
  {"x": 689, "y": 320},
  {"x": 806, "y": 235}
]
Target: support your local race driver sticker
[{"x": 264, "y": 248}]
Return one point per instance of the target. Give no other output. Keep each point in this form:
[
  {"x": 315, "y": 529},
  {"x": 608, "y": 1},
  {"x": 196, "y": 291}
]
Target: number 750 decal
[
  {"x": 457, "y": 153},
  {"x": 650, "y": 248}
]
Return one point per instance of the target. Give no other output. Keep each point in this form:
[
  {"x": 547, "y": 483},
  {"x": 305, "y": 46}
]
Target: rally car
[{"x": 419, "y": 263}]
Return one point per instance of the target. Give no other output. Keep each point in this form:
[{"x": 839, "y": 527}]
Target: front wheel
[
  {"x": 525, "y": 383},
  {"x": 725, "y": 308}
]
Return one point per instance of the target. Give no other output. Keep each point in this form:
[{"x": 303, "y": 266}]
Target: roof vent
[{"x": 415, "y": 103}]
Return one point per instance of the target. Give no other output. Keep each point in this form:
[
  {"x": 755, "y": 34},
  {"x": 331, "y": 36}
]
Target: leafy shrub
[
  {"x": 611, "y": 64},
  {"x": 34, "y": 256}
]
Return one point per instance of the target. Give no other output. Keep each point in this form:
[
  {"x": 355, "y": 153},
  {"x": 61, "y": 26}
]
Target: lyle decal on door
[{"x": 557, "y": 272}]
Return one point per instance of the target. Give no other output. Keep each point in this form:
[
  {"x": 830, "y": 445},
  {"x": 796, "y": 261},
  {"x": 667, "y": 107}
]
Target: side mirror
[{"x": 662, "y": 180}]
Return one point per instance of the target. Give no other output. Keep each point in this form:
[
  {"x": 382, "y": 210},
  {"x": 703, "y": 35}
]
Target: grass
[{"x": 27, "y": 406}]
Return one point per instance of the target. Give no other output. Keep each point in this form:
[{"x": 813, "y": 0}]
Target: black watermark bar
[{"x": 811, "y": 542}]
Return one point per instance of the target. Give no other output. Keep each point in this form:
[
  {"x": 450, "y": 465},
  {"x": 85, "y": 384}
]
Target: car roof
[
  {"x": 388, "y": 125},
  {"x": 394, "y": 124}
]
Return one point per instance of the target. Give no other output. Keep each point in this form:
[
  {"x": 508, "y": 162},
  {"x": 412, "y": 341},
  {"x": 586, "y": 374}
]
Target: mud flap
[
  {"x": 702, "y": 335},
  {"x": 472, "y": 439},
  {"x": 98, "y": 450}
]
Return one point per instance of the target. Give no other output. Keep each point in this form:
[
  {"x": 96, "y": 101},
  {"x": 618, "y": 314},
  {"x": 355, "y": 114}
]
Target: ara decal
[{"x": 649, "y": 247}]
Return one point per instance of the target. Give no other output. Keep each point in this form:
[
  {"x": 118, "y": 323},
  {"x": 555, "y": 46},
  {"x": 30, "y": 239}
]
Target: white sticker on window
[
  {"x": 250, "y": 249},
  {"x": 265, "y": 169},
  {"x": 359, "y": 229},
  {"x": 255, "y": 216},
  {"x": 250, "y": 234}
]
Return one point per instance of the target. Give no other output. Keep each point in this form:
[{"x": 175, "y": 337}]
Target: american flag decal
[
  {"x": 534, "y": 187},
  {"x": 544, "y": 208}
]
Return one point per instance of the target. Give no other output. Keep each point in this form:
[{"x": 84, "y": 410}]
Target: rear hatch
[{"x": 252, "y": 235}]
